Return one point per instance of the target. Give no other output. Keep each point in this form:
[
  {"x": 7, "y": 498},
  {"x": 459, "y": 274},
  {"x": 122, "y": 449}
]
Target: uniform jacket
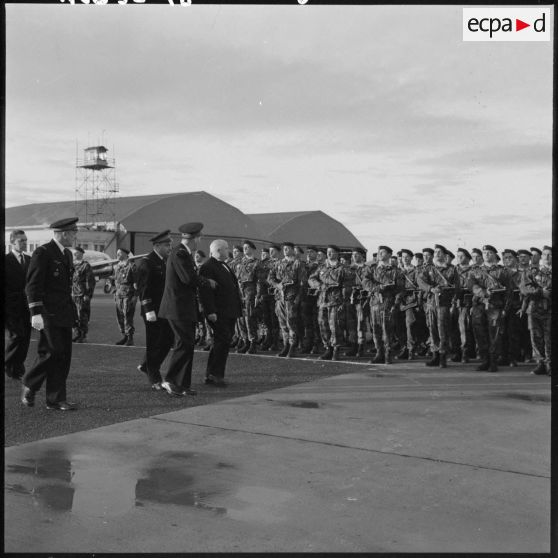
[
  {"x": 49, "y": 285},
  {"x": 83, "y": 280},
  {"x": 330, "y": 280},
  {"x": 440, "y": 276},
  {"x": 150, "y": 277},
  {"x": 536, "y": 286},
  {"x": 124, "y": 279},
  {"x": 14, "y": 288},
  {"x": 224, "y": 300},
  {"x": 287, "y": 277},
  {"x": 384, "y": 283},
  {"x": 181, "y": 282},
  {"x": 249, "y": 275},
  {"x": 493, "y": 277}
]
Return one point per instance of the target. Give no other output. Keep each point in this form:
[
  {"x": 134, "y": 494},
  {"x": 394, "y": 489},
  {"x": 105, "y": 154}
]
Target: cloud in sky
[{"x": 359, "y": 111}]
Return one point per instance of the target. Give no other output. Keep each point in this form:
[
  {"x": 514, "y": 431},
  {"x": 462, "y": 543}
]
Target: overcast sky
[{"x": 380, "y": 116}]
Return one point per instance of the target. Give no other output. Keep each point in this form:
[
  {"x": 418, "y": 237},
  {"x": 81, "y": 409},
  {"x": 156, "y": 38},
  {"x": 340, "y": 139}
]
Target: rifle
[
  {"x": 494, "y": 288},
  {"x": 447, "y": 289}
]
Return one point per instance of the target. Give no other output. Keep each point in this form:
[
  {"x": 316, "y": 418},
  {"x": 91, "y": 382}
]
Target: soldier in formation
[
  {"x": 125, "y": 296},
  {"x": 83, "y": 286}
]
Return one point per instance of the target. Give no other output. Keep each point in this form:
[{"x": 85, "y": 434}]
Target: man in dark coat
[
  {"x": 179, "y": 307},
  {"x": 151, "y": 273},
  {"x": 221, "y": 306},
  {"x": 49, "y": 294},
  {"x": 17, "y": 318}
]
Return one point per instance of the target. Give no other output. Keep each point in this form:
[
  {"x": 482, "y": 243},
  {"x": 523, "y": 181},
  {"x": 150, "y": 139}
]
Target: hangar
[{"x": 140, "y": 217}]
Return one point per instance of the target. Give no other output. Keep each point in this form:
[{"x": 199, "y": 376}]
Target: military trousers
[
  {"x": 466, "y": 336},
  {"x": 410, "y": 327},
  {"x": 269, "y": 318},
  {"x": 511, "y": 335},
  {"x": 330, "y": 325},
  {"x": 541, "y": 340},
  {"x": 83, "y": 313},
  {"x": 487, "y": 327},
  {"x": 382, "y": 326},
  {"x": 248, "y": 324},
  {"x": 310, "y": 312},
  {"x": 125, "y": 309},
  {"x": 363, "y": 321},
  {"x": 287, "y": 314},
  {"x": 351, "y": 323}
]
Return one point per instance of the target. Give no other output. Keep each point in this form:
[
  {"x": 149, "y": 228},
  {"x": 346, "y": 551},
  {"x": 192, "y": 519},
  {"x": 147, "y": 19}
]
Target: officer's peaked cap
[
  {"x": 68, "y": 224},
  {"x": 190, "y": 230},
  {"x": 161, "y": 237}
]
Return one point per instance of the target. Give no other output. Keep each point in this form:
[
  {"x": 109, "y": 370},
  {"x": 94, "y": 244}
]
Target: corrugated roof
[{"x": 305, "y": 227}]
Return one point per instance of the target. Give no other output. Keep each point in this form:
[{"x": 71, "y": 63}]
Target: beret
[
  {"x": 291, "y": 244},
  {"x": 191, "y": 229},
  {"x": 464, "y": 251},
  {"x": 333, "y": 247},
  {"x": 510, "y": 251},
  {"x": 399, "y": 252},
  {"x": 490, "y": 248},
  {"x": 161, "y": 237},
  {"x": 237, "y": 247},
  {"x": 406, "y": 251},
  {"x": 299, "y": 248},
  {"x": 498, "y": 258},
  {"x": 429, "y": 250},
  {"x": 249, "y": 243},
  {"x": 79, "y": 249},
  {"x": 536, "y": 250},
  {"x": 312, "y": 247},
  {"x": 477, "y": 251},
  {"x": 265, "y": 250},
  {"x": 360, "y": 250},
  {"x": 547, "y": 248},
  {"x": 450, "y": 254},
  {"x": 524, "y": 252},
  {"x": 68, "y": 224},
  {"x": 419, "y": 255},
  {"x": 386, "y": 248},
  {"x": 276, "y": 246},
  {"x": 125, "y": 250},
  {"x": 440, "y": 247}
]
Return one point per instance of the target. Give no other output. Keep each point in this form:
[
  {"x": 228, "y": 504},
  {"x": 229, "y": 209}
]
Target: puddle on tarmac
[
  {"x": 528, "y": 397},
  {"x": 94, "y": 485}
]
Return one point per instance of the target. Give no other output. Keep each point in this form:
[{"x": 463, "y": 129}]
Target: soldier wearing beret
[
  {"x": 329, "y": 280},
  {"x": 348, "y": 315},
  {"x": 384, "y": 283},
  {"x": 524, "y": 267},
  {"x": 237, "y": 255},
  {"x": 179, "y": 307},
  {"x": 309, "y": 307},
  {"x": 125, "y": 296},
  {"x": 267, "y": 300},
  {"x": 49, "y": 294},
  {"x": 301, "y": 346},
  {"x": 251, "y": 281},
  {"x": 463, "y": 304},
  {"x": 151, "y": 273},
  {"x": 440, "y": 282},
  {"x": 491, "y": 287},
  {"x": 360, "y": 299},
  {"x": 17, "y": 320},
  {"x": 536, "y": 254},
  {"x": 287, "y": 277},
  {"x": 83, "y": 286},
  {"x": 537, "y": 288}
]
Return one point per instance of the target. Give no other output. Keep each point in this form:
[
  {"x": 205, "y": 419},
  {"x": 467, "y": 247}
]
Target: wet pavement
[{"x": 375, "y": 461}]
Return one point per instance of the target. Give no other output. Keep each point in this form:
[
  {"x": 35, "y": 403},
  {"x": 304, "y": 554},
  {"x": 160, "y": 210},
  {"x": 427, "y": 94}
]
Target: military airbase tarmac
[{"x": 295, "y": 455}]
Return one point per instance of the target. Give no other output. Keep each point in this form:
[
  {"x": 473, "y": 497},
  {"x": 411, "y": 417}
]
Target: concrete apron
[{"x": 372, "y": 461}]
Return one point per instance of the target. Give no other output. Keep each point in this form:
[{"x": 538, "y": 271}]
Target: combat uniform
[
  {"x": 309, "y": 309},
  {"x": 125, "y": 299},
  {"x": 267, "y": 305},
  {"x": 361, "y": 303},
  {"x": 250, "y": 281},
  {"x": 83, "y": 285},
  {"x": 349, "y": 313},
  {"x": 408, "y": 302},
  {"x": 464, "y": 303}
]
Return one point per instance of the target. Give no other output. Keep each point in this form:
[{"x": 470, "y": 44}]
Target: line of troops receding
[{"x": 317, "y": 301}]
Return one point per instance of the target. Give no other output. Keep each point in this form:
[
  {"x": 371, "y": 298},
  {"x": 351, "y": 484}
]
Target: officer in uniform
[
  {"x": 83, "y": 286},
  {"x": 49, "y": 294},
  {"x": 359, "y": 298},
  {"x": 125, "y": 296},
  {"x": 329, "y": 279},
  {"x": 16, "y": 312},
  {"x": 536, "y": 286},
  {"x": 249, "y": 277},
  {"x": 440, "y": 283},
  {"x": 464, "y": 303},
  {"x": 286, "y": 278},
  {"x": 151, "y": 273},
  {"x": 490, "y": 284},
  {"x": 385, "y": 282}
]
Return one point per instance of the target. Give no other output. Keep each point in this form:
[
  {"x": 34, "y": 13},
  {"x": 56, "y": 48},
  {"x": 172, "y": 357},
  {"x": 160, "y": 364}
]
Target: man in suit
[
  {"x": 17, "y": 318},
  {"x": 151, "y": 273},
  {"x": 49, "y": 294},
  {"x": 179, "y": 307},
  {"x": 221, "y": 306}
]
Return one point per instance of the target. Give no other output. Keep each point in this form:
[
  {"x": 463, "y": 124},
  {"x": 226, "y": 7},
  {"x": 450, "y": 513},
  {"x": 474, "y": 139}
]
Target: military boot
[
  {"x": 411, "y": 356},
  {"x": 292, "y": 351},
  {"x": 122, "y": 341},
  {"x": 456, "y": 356},
  {"x": 360, "y": 350},
  {"x": 315, "y": 350},
  {"x": 484, "y": 365},
  {"x": 353, "y": 351},
  {"x": 335, "y": 353},
  {"x": 242, "y": 347},
  {"x": 435, "y": 360},
  {"x": 285, "y": 350},
  {"x": 328, "y": 354},
  {"x": 503, "y": 361},
  {"x": 252, "y": 348},
  {"x": 389, "y": 357},
  {"x": 493, "y": 364},
  {"x": 129, "y": 340},
  {"x": 443, "y": 360},
  {"x": 379, "y": 358},
  {"x": 540, "y": 370},
  {"x": 404, "y": 353}
]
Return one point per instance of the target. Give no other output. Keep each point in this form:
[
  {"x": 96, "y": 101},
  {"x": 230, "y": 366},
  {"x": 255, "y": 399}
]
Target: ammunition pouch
[
  {"x": 445, "y": 297},
  {"x": 410, "y": 300}
]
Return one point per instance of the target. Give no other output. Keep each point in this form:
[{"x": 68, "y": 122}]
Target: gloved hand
[
  {"x": 37, "y": 322},
  {"x": 151, "y": 316}
]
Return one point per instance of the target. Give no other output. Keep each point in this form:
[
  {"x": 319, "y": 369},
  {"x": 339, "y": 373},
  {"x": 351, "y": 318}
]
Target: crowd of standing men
[{"x": 291, "y": 299}]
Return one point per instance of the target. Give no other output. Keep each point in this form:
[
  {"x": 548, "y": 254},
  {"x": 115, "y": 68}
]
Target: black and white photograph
[{"x": 278, "y": 277}]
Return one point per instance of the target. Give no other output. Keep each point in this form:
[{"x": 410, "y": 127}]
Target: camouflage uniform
[
  {"x": 526, "y": 350},
  {"x": 446, "y": 279},
  {"x": 511, "y": 334},
  {"x": 233, "y": 264},
  {"x": 267, "y": 306},
  {"x": 408, "y": 302},
  {"x": 361, "y": 301},
  {"x": 249, "y": 276},
  {"x": 83, "y": 285},
  {"x": 286, "y": 278},
  {"x": 536, "y": 286},
  {"x": 309, "y": 307},
  {"x": 463, "y": 304},
  {"x": 301, "y": 304},
  {"x": 125, "y": 296},
  {"x": 330, "y": 280},
  {"x": 488, "y": 309},
  {"x": 350, "y": 321},
  {"x": 384, "y": 283}
]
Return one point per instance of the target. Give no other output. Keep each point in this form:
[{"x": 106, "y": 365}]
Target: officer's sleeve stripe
[
  {"x": 33, "y": 304},
  {"x": 146, "y": 301}
]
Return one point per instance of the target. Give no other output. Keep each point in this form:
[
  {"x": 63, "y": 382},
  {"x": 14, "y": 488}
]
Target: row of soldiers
[{"x": 324, "y": 300}]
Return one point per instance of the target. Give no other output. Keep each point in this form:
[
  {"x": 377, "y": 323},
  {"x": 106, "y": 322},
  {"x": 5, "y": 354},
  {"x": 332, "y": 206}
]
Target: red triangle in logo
[{"x": 519, "y": 25}]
